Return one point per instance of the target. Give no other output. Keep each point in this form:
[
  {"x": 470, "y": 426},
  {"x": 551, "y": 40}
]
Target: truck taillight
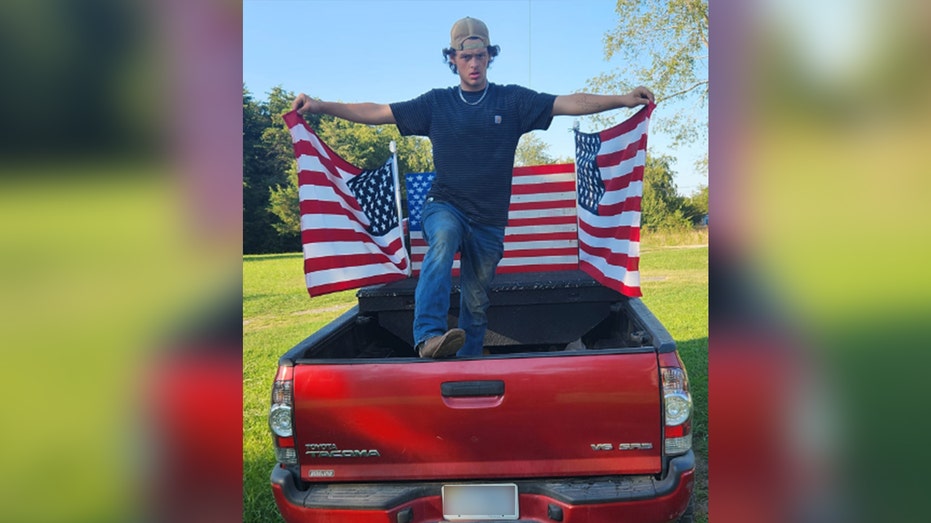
[
  {"x": 280, "y": 418},
  {"x": 677, "y": 403}
]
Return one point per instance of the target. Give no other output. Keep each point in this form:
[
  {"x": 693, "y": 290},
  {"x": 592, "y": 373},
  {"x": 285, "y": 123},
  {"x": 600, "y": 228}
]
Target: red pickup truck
[{"x": 578, "y": 412}]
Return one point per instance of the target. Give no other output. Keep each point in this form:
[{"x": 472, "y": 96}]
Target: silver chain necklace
[{"x": 484, "y": 92}]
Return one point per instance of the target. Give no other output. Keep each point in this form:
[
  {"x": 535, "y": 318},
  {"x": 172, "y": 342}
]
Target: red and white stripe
[
  {"x": 609, "y": 243},
  {"x": 542, "y": 230},
  {"x": 339, "y": 253}
]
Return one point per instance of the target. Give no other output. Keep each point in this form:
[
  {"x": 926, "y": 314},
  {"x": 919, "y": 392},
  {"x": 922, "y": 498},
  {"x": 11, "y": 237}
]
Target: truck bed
[{"x": 529, "y": 313}]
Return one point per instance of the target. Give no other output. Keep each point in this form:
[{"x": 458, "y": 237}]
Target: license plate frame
[{"x": 480, "y": 501}]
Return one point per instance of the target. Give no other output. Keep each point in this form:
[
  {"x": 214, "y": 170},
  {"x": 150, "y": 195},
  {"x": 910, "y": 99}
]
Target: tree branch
[{"x": 684, "y": 91}]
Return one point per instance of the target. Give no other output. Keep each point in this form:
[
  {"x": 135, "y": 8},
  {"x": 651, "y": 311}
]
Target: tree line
[{"x": 271, "y": 217}]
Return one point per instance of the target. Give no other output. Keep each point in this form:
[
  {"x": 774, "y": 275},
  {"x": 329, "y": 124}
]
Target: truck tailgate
[{"x": 572, "y": 414}]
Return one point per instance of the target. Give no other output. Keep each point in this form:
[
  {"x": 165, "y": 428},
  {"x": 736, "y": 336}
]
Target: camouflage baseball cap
[{"x": 469, "y": 28}]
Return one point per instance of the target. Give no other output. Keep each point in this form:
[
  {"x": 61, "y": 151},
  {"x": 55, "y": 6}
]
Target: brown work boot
[{"x": 442, "y": 346}]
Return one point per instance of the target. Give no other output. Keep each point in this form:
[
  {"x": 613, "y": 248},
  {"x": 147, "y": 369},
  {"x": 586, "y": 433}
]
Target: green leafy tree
[
  {"x": 365, "y": 146},
  {"x": 283, "y": 203},
  {"x": 267, "y": 159},
  {"x": 257, "y": 176},
  {"x": 661, "y": 206},
  {"x": 276, "y": 138},
  {"x": 664, "y": 44},
  {"x": 532, "y": 150},
  {"x": 282, "y": 197},
  {"x": 695, "y": 206}
]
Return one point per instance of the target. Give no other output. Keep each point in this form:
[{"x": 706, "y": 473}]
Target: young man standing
[{"x": 474, "y": 129}]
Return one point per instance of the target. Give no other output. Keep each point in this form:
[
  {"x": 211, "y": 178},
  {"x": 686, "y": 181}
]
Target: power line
[{"x": 529, "y": 44}]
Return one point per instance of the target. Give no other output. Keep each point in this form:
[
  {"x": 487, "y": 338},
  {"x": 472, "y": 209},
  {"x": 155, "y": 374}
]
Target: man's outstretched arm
[
  {"x": 366, "y": 113},
  {"x": 582, "y": 103}
]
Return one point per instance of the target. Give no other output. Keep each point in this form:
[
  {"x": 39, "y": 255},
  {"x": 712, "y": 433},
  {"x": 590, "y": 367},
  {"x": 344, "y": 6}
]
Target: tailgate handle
[{"x": 465, "y": 389}]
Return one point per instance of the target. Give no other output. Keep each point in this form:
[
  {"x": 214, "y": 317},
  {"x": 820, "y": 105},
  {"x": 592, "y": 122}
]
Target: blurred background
[
  {"x": 819, "y": 300},
  {"x": 120, "y": 273}
]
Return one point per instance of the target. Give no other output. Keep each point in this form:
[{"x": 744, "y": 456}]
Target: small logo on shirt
[{"x": 497, "y": 118}]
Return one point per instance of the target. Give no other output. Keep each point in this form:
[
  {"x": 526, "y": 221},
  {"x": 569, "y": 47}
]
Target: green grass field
[{"x": 278, "y": 313}]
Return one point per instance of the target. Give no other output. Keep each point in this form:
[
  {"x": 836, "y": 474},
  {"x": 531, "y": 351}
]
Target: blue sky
[{"x": 388, "y": 51}]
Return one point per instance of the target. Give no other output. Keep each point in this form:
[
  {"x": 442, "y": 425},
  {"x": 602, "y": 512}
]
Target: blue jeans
[{"x": 446, "y": 230}]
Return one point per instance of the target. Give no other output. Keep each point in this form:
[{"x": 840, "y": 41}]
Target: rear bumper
[{"x": 610, "y": 499}]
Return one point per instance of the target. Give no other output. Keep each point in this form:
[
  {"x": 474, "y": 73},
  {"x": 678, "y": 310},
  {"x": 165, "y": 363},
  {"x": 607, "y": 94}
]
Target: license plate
[{"x": 478, "y": 502}]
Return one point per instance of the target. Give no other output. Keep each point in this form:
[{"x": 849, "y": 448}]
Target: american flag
[
  {"x": 349, "y": 219},
  {"x": 610, "y": 187},
  {"x": 541, "y": 234}
]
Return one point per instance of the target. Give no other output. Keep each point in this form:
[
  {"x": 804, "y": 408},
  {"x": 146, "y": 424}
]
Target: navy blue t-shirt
[{"x": 474, "y": 145}]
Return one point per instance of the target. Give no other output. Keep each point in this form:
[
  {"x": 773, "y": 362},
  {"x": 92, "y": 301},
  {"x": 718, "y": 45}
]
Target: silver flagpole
[
  {"x": 575, "y": 168},
  {"x": 393, "y": 147}
]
